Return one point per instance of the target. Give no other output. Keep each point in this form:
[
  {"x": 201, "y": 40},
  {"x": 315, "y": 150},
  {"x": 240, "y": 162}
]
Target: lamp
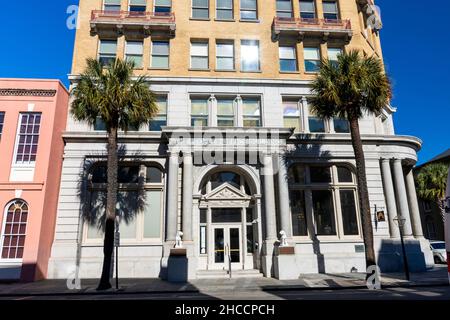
[{"x": 401, "y": 223}]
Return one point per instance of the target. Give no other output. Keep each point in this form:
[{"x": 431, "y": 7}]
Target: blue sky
[{"x": 37, "y": 44}]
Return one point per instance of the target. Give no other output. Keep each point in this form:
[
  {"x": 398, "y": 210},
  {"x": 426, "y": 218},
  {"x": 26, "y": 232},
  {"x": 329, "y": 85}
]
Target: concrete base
[
  {"x": 177, "y": 266},
  {"x": 267, "y": 258},
  {"x": 390, "y": 256},
  {"x": 285, "y": 264}
]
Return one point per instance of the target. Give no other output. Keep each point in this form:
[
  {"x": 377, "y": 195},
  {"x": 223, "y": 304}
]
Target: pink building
[{"x": 33, "y": 116}]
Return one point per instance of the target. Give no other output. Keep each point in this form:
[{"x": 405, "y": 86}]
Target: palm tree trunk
[
  {"x": 441, "y": 206},
  {"x": 111, "y": 202},
  {"x": 363, "y": 193}
]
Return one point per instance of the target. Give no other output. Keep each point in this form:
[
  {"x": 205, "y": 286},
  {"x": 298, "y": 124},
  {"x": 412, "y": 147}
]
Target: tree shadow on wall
[{"x": 298, "y": 152}]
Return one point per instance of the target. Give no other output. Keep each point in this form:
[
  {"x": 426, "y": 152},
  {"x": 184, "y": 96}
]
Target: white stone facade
[{"x": 190, "y": 202}]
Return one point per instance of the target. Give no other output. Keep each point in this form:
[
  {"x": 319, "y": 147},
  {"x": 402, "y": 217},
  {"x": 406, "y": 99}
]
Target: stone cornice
[{"x": 13, "y": 92}]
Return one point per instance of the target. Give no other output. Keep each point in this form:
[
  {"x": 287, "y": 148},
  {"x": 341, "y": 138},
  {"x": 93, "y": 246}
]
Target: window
[
  {"x": 163, "y": 6},
  {"x": 200, "y": 9},
  {"x": 251, "y": 112},
  {"x": 111, "y": 5},
  {"x": 107, "y": 51},
  {"x": 99, "y": 125},
  {"x": 225, "y": 56},
  {"x": 320, "y": 174},
  {"x": 14, "y": 232},
  {"x": 225, "y": 113},
  {"x": 348, "y": 208},
  {"x": 160, "y": 120},
  {"x": 134, "y": 52},
  {"x": 341, "y": 125},
  {"x": 298, "y": 213},
  {"x": 249, "y": 10},
  {"x": 250, "y": 56},
  {"x": 330, "y": 10},
  {"x": 2, "y": 121},
  {"x": 199, "y": 112},
  {"x": 333, "y": 54},
  {"x": 284, "y": 9},
  {"x": 139, "y": 203},
  {"x": 250, "y": 234},
  {"x": 28, "y": 138},
  {"x": 203, "y": 233},
  {"x": 288, "y": 59},
  {"x": 332, "y": 189},
  {"x": 137, "y": 6},
  {"x": 316, "y": 124},
  {"x": 312, "y": 59},
  {"x": 160, "y": 55},
  {"x": 307, "y": 9},
  {"x": 224, "y": 9},
  {"x": 199, "y": 55},
  {"x": 323, "y": 210},
  {"x": 291, "y": 114}
]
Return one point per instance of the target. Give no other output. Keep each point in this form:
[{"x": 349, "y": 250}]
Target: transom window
[
  {"x": 333, "y": 209},
  {"x": 139, "y": 202},
  {"x": 111, "y": 5},
  {"x": 224, "y": 9},
  {"x": 163, "y": 7},
  {"x": 284, "y": 9},
  {"x": 307, "y": 10},
  {"x": 200, "y": 9},
  {"x": 28, "y": 138},
  {"x": 330, "y": 10},
  {"x": 14, "y": 231},
  {"x": 249, "y": 9},
  {"x": 217, "y": 179}
]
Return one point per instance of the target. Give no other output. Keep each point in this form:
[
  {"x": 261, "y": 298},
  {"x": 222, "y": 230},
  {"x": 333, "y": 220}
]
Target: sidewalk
[{"x": 434, "y": 277}]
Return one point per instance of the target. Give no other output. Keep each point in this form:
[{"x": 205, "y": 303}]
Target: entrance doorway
[{"x": 227, "y": 247}]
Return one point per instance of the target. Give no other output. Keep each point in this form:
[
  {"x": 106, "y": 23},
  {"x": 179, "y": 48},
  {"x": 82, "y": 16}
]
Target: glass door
[{"x": 227, "y": 246}]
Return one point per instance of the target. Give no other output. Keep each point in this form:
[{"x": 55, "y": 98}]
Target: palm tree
[
  {"x": 350, "y": 88},
  {"x": 432, "y": 183},
  {"x": 110, "y": 94}
]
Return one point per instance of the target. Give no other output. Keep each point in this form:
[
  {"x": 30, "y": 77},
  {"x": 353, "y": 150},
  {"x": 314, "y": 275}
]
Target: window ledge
[
  {"x": 139, "y": 69},
  {"x": 194, "y": 69},
  {"x": 154, "y": 68},
  {"x": 225, "y": 20},
  {"x": 312, "y": 72},
  {"x": 199, "y": 19},
  {"x": 290, "y": 72},
  {"x": 225, "y": 70},
  {"x": 250, "y": 20},
  {"x": 257, "y": 71}
]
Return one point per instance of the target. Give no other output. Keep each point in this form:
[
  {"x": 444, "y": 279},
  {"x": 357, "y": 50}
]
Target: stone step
[{"x": 223, "y": 274}]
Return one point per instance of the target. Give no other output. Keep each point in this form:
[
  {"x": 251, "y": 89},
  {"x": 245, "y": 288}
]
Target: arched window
[
  {"x": 14, "y": 230},
  {"x": 332, "y": 205},
  {"x": 217, "y": 179}
]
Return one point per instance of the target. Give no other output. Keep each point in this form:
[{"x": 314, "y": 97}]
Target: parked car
[{"x": 439, "y": 253}]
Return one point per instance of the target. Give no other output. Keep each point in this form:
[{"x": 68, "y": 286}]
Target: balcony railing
[
  {"x": 324, "y": 27},
  {"x": 122, "y": 19}
]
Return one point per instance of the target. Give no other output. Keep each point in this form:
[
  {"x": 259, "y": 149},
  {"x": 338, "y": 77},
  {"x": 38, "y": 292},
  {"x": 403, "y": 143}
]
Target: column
[
  {"x": 402, "y": 199},
  {"x": 283, "y": 195},
  {"x": 389, "y": 195},
  {"x": 413, "y": 205},
  {"x": 212, "y": 111},
  {"x": 172, "y": 197},
  {"x": 187, "y": 196},
  {"x": 238, "y": 112},
  {"x": 269, "y": 198},
  {"x": 305, "y": 114}
]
